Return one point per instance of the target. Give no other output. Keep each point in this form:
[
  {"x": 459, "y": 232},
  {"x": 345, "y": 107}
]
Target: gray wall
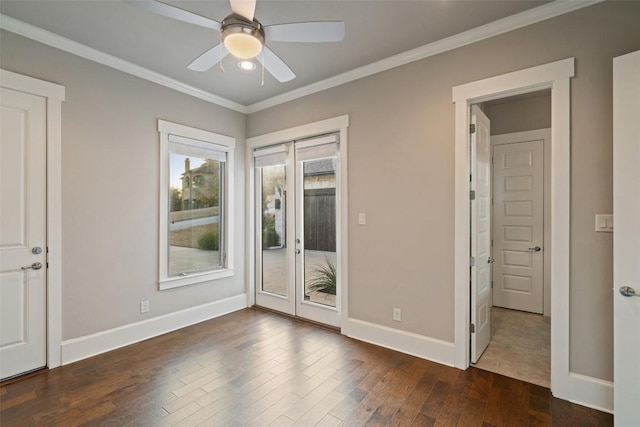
[
  {"x": 400, "y": 173},
  {"x": 401, "y": 164},
  {"x": 110, "y": 193},
  {"x": 519, "y": 114}
]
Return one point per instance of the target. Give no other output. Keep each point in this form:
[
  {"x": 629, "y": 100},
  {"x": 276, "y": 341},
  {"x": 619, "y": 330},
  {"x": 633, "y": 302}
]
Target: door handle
[
  {"x": 490, "y": 260},
  {"x": 535, "y": 249},
  {"x": 34, "y": 266},
  {"x": 297, "y": 251},
  {"x": 628, "y": 291}
]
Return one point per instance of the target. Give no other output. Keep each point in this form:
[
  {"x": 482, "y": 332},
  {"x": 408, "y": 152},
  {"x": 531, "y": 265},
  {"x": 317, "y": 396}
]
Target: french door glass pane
[
  {"x": 196, "y": 197},
  {"x": 319, "y": 210},
  {"x": 273, "y": 224}
]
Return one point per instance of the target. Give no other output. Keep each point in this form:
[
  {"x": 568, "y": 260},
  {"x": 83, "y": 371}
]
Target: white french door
[{"x": 297, "y": 199}]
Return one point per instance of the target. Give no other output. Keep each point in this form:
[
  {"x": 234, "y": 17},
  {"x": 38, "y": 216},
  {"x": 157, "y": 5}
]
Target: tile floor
[{"x": 520, "y": 346}]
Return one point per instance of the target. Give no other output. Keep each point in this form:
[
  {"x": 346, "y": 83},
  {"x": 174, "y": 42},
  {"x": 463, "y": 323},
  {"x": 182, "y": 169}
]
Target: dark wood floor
[{"x": 257, "y": 368}]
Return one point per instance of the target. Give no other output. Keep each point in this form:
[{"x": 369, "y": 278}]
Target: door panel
[
  {"x": 480, "y": 233},
  {"x": 275, "y": 267},
  {"x": 22, "y": 230},
  {"x": 316, "y": 261},
  {"x": 518, "y": 192},
  {"x": 626, "y": 237}
]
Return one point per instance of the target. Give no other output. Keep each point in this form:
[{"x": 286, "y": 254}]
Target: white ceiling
[{"x": 375, "y": 30}]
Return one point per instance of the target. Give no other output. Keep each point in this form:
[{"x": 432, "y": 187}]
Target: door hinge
[
  {"x": 472, "y": 195},
  {"x": 473, "y": 328},
  {"x": 472, "y": 128},
  {"x": 492, "y": 284},
  {"x": 472, "y": 261}
]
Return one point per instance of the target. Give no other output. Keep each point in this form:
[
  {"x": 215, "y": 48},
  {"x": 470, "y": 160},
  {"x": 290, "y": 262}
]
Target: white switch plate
[
  {"x": 362, "y": 218},
  {"x": 604, "y": 223}
]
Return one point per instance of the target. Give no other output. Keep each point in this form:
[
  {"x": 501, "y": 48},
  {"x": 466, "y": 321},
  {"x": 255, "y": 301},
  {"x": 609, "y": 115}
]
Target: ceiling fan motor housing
[{"x": 243, "y": 38}]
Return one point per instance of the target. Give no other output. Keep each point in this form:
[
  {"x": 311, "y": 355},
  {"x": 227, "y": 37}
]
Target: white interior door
[
  {"x": 297, "y": 226},
  {"x": 626, "y": 238},
  {"x": 480, "y": 234},
  {"x": 22, "y": 233},
  {"x": 518, "y": 233}
]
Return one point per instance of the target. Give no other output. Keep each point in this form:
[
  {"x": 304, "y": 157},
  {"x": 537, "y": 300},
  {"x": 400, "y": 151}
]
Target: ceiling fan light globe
[{"x": 242, "y": 45}]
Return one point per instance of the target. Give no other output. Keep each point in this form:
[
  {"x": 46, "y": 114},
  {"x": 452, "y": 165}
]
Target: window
[{"x": 196, "y": 196}]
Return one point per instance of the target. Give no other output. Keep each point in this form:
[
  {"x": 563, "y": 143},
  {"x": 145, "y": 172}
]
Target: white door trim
[
  {"x": 335, "y": 124},
  {"x": 54, "y": 95},
  {"x": 555, "y": 76}
]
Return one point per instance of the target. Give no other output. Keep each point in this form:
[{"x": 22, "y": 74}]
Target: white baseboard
[
  {"x": 90, "y": 345},
  {"x": 587, "y": 391},
  {"x": 405, "y": 342},
  {"x": 580, "y": 389}
]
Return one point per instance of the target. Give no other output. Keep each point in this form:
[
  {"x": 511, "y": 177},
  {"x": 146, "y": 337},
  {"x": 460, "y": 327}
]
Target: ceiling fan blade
[
  {"x": 306, "y": 32},
  {"x": 275, "y": 65},
  {"x": 209, "y": 58},
  {"x": 175, "y": 13},
  {"x": 245, "y": 8}
]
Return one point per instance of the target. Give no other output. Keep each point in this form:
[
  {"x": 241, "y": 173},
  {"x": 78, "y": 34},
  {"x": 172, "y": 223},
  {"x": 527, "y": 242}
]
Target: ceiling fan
[{"x": 244, "y": 37}]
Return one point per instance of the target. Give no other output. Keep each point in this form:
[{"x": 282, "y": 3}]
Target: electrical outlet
[
  {"x": 144, "y": 306},
  {"x": 397, "y": 314}
]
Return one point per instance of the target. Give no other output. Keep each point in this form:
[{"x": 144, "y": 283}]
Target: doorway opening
[
  {"x": 557, "y": 77},
  {"x": 519, "y": 343}
]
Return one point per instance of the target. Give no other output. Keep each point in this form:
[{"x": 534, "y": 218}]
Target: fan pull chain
[
  {"x": 220, "y": 67},
  {"x": 262, "y": 67}
]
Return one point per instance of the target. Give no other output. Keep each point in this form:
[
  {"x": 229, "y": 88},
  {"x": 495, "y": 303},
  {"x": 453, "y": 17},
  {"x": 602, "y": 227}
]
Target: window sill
[{"x": 192, "y": 279}]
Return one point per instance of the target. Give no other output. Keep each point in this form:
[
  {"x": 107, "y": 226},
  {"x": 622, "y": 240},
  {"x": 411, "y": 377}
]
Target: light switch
[
  {"x": 604, "y": 222},
  {"x": 362, "y": 219}
]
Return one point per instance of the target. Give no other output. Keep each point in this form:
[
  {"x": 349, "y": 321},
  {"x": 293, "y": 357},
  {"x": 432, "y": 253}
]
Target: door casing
[
  {"x": 55, "y": 95},
  {"x": 555, "y": 76}
]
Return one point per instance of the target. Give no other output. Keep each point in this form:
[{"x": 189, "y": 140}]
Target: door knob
[
  {"x": 297, "y": 251},
  {"x": 628, "y": 291},
  {"x": 535, "y": 249},
  {"x": 34, "y": 266}
]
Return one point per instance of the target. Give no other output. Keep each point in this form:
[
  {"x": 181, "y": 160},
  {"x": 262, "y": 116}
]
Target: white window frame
[{"x": 225, "y": 143}]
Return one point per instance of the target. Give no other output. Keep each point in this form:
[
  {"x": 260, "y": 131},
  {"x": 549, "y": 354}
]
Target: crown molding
[
  {"x": 51, "y": 39},
  {"x": 501, "y": 26}
]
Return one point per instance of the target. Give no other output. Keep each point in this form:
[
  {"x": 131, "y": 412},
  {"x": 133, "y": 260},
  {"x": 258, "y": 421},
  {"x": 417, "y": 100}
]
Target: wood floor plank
[
  {"x": 328, "y": 421},
  {"x": 253, "y": 368}
]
